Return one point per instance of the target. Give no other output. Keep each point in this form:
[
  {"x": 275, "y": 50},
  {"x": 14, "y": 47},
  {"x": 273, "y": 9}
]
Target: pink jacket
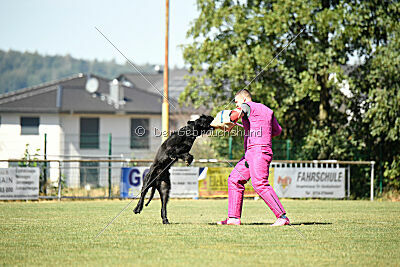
[{"x": 260, "y": 126}]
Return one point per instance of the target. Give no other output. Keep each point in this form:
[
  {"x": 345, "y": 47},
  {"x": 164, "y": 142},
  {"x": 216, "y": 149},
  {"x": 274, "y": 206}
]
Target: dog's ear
[
  {"x": 209, "y": 118},
  {"x": 190, "y": 123}
]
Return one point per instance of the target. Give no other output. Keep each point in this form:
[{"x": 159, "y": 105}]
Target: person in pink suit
[{"x": 260, "y": 125}]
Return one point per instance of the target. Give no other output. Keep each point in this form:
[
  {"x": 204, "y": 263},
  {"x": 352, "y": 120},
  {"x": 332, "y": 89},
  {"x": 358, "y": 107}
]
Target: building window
[
  {"x": 140, "y": 136},
  {"x": 89, "y": 174},
  {"x": 89, "y": 133},
  {"x": 29, "y": 125}
]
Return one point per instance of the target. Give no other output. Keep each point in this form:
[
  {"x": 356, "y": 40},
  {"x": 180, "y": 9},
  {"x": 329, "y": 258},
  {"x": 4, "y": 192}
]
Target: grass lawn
[{"x": 337, "y": 233}]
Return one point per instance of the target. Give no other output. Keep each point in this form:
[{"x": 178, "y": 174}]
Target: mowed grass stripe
[{"x": 337, "y": 233}]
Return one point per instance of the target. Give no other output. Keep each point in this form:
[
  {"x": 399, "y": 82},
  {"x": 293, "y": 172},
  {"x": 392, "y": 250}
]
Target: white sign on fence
[
  {"x": 19, "y": 183},
  {"x": 310, "y": 182},
  {"x": 184, "y": 181}
]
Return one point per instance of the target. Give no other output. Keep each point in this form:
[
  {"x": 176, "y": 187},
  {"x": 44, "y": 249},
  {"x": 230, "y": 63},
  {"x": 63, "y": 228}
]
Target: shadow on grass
[
  {"x": 311, "y": 223},
  {"x": 299, "y": 223}
]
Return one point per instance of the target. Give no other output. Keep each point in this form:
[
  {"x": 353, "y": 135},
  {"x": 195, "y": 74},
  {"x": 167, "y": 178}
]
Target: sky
[{"x": 136, "y": 27}]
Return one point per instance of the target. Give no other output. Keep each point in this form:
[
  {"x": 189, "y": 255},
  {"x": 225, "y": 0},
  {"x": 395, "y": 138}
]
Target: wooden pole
[{"x": 165, "y": 105}]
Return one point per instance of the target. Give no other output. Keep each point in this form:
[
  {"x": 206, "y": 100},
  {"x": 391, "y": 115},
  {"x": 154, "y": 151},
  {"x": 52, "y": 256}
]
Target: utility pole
[{"x": 165, "y": 105}]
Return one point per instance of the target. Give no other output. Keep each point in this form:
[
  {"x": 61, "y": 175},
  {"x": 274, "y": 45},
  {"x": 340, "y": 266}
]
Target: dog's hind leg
[
  {"x": 139, "y": 205},
  {"x": 153, "y": 190},
  {"x": 164, "y": 195},
  {"x": 145, "y": 188}
]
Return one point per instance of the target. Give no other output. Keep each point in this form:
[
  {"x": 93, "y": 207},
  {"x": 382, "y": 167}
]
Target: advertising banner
[
  {"x": 215, "y": 182},
  {"x": 132, "y": 181},
  {"x": 310, "y": 182},
  {"x": 184, "y": 181},
  {"x": 19, "y": 183},
  {"x": 192, "y": 182}
]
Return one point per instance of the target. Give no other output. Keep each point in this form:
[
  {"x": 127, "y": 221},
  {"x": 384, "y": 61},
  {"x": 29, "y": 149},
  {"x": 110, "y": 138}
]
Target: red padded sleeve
[{"x": 234, "y": 116}]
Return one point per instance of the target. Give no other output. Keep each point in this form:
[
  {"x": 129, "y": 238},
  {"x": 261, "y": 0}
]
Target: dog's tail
[{"x": 153, "y": 190}]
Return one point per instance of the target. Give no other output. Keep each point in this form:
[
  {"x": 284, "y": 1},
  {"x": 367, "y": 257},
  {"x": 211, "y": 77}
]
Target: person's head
[{"x": 241, "y": 97}]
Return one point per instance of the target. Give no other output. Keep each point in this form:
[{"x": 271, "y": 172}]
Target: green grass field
[{"x": 337, "y": 233}]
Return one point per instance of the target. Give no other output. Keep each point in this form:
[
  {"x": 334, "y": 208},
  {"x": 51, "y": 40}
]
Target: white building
[{"x": 78, "y": 115}]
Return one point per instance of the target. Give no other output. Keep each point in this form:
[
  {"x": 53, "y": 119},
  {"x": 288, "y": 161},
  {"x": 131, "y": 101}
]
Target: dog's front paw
[
  {"x": 165, "y": 221},
  {"x": 189, "y": 160},
  {"x": 137, "y": 210}
]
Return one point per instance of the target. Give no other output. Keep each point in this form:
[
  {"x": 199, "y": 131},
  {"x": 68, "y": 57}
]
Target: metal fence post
[
  {"x": 348, "y": 181},
  {"x": 288, "y": 149},
  {"x": 45, "y": 165},
  {"x": 380, "y": 171},
  {"x": 59, "y": 180},
  {"x": 230, "y": 147},
  {"x": 372, "y": 180},
  {"x": 109, "y": 164}
]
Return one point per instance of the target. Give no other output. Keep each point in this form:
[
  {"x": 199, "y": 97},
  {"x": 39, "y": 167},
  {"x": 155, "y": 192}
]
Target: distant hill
[{"x": 19, "y": 70}]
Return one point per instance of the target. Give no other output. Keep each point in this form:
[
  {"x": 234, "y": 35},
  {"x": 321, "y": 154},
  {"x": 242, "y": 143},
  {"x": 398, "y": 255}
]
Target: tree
[
  {"x": 235, "y": 40},
  {"x": 379, "y": 88}
]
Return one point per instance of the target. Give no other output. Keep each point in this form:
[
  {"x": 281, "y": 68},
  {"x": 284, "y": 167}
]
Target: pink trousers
[{"x": 258, "y": 159}]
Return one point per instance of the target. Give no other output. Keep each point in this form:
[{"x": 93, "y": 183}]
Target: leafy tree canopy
[{"x": 235, "y": 40}]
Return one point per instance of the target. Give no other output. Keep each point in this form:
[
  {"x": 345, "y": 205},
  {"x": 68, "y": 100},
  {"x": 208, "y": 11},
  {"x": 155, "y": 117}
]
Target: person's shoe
[
  {"x": 229, "y": 221},
  {"x": 281, "y": 222}
]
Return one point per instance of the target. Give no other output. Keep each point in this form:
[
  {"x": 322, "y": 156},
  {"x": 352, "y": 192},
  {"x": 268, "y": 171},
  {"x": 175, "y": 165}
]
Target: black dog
[{"x": 177, "y": 146}]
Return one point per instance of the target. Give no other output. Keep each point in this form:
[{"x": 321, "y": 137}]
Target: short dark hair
[{"x": 245, "y": 93}]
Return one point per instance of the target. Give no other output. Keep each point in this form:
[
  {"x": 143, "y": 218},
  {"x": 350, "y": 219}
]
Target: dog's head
[{"x": 202, "y": 124}]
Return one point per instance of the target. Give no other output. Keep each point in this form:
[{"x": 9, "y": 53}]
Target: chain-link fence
[{"x": 100, "y": 178}]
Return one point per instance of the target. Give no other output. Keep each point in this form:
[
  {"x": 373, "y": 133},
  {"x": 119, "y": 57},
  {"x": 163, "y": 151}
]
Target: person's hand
[
  {"x": 223, "y": 126},
  {"x": 228, "y": 126}
]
